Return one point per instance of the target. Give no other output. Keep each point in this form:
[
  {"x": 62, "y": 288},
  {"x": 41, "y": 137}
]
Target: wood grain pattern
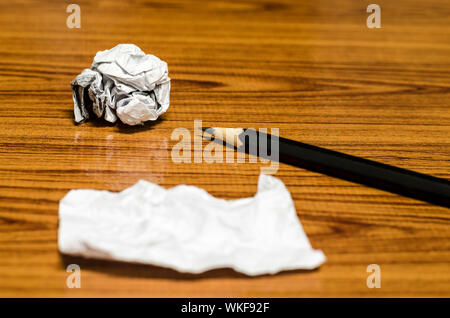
[{"x": 310, "y": 68}]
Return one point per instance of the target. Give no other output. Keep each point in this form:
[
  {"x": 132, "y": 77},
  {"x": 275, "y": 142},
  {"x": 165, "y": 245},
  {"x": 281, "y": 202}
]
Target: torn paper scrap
[
  {"x": 187, "y": 229},
  {"x": 123, "y": 83}
]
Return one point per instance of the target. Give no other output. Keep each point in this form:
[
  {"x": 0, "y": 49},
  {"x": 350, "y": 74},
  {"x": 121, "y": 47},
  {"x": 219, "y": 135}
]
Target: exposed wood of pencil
[{"x": 310, "y": 68}]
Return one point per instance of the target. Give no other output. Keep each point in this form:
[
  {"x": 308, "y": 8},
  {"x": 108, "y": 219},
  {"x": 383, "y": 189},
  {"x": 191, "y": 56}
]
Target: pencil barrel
[{"x": 367, "y": 172}]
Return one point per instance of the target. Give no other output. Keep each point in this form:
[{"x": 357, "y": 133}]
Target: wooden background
[{"x": 310, "y": 68}]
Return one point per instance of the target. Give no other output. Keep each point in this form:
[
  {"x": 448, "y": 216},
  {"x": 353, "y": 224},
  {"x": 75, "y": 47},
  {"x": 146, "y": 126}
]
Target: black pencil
[{"x": 367, "y": 172}]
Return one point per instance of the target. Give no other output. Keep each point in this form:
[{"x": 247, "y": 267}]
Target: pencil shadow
[{"x": 132, "y": 270}]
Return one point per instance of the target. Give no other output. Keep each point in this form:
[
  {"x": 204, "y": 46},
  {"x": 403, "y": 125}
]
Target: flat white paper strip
[{"x": 187, "y": 229}]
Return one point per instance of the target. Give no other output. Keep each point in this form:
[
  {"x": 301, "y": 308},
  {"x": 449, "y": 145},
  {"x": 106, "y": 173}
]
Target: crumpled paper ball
[{"x": 123, "y": 83}]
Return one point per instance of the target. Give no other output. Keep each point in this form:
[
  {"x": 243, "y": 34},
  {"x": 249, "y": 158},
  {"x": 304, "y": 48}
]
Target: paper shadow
[
  {"x": 133, "y": 270},
  {"x": 148, "y": 125},
  {"x": 95, "y": 121}
]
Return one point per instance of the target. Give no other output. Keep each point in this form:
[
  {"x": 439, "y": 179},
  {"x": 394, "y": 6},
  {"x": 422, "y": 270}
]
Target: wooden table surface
[{"x": 310, "y": 68}]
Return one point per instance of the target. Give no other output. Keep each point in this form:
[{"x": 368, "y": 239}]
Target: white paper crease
[{"x": 187, "y": 229}]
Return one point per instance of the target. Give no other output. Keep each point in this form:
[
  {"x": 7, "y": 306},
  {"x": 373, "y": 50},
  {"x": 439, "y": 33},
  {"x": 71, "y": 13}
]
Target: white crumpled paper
[
  {"x": 123, "y": 82},
  {"x": 187, "y": 229}
]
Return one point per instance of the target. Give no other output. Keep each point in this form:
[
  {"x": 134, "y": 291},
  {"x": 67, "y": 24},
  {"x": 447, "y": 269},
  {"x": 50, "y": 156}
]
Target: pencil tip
[{"x": 209, "y": 130}]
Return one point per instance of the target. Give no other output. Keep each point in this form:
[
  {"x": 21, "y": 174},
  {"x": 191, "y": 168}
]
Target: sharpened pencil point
[{"x": 229, "y": 135}]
